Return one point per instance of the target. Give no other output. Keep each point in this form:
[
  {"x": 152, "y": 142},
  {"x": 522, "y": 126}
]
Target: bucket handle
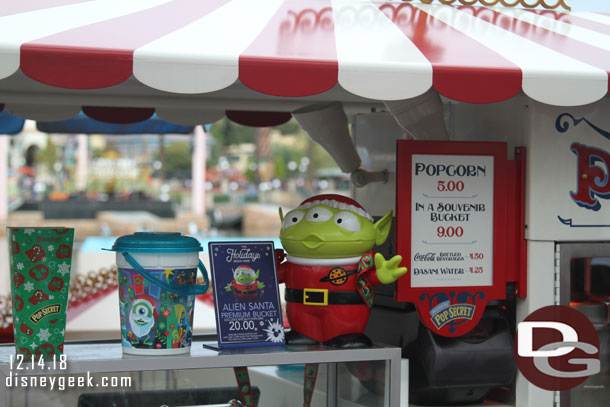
[{"x": 180, "y": 290}]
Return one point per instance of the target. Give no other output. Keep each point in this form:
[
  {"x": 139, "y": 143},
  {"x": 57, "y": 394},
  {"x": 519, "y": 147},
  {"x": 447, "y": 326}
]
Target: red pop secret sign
[{"x": 453, "y": 229}]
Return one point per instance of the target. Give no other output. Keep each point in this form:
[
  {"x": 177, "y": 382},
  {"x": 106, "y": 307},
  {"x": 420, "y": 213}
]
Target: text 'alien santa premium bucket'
[{"x": 157, "y": 287}]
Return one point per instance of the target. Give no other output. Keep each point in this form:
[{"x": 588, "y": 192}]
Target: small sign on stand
[
  {"x": 451, "y": 214},
  {"x": 246, "y": 294}
]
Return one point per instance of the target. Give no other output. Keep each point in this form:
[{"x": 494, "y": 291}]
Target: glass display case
[
  {"x": 99, "y": 374},
  {"x": 584, "y": 273}
]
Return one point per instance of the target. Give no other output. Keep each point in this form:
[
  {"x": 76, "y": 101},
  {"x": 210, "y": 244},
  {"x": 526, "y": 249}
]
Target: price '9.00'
[{"x": 449, "y": 231}]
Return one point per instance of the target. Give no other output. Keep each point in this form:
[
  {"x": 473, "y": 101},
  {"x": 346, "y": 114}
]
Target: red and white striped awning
[{"x": 172, "y": 54}]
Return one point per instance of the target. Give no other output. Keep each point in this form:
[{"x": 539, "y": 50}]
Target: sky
[{"x": 588, "y": 5}]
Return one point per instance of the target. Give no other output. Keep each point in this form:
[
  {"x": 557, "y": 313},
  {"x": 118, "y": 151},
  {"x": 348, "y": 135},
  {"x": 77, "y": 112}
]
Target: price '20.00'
[{"x": 241, "y": 325}]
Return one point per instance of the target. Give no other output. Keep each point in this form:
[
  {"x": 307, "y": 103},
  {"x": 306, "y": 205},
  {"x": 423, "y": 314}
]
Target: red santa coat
[
  {"x": 324, "y": 322},
  {"x": 244, "y": 291}
]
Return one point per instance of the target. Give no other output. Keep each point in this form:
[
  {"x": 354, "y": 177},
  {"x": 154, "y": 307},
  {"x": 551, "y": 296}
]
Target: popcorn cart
[{"x": 484, "y": 127}]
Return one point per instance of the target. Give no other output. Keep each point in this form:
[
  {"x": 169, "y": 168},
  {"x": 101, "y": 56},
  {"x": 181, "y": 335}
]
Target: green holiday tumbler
[{"x": 40, "y": 262}]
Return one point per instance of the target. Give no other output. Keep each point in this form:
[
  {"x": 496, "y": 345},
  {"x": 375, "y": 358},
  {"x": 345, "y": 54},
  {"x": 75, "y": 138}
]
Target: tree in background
[
  {"x": 290, "y": 127},
  {"x": 225, "y": 133},
  {"x": 178, "y": 160},
  {"x": 299, "y": 148},
  {"x": 48, "y": 156},
  {"x": 292, "y": 155},
  {"x": 280, "y": 170}
]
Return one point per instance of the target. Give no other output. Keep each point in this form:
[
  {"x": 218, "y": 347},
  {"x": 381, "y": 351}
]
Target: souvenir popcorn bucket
[
  {"x": 40, "y": 261},
  {"x": 157, "y": 286}
]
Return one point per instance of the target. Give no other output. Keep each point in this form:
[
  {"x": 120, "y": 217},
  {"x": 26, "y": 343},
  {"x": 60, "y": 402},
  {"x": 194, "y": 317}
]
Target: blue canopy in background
[
  {"x": 10, "y": 124},
  {"x": 82, "y": 124}
]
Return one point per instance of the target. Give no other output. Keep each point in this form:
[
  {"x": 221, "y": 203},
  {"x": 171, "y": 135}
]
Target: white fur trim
[
  {"x": 304, "y": 261},
  {"x": 331, "y": 203}
]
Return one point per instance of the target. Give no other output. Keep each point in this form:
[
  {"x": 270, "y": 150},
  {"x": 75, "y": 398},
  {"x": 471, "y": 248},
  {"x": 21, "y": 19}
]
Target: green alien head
[
  {"x": 245, "y": 274},
  {"x": 331, "y": 226}
]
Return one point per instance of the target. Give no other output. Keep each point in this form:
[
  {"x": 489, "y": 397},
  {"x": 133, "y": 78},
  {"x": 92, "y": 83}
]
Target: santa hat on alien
[
  {"x": 243, "y": 269},
  {"x": 337, "y": 202}
]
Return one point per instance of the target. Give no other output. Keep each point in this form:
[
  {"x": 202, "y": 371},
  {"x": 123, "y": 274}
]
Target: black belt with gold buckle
[
  {"x": 322, "y": 297},
  {"x": 252, "y": 292}
]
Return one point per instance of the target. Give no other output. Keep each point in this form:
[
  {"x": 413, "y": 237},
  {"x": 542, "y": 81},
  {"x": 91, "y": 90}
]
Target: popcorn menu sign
[
  {"x": 452, "y": 220},
  {"x": 450, "y": 208}
]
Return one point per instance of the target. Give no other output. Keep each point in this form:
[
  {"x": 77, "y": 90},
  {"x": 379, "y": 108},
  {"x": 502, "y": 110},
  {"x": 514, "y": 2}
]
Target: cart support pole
[
  {"x": 541, "y": 274},
  {"x": 4, "y": 143},
  {"x": 198, "y": 172},
  {"x": 82, "y": 159}
]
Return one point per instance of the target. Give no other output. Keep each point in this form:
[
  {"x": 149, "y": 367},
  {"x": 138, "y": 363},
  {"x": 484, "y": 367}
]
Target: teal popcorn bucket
[{"x": 157, "y": 275}]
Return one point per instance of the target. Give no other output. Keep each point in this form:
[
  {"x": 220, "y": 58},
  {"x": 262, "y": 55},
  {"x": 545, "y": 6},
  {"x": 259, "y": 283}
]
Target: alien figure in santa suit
[{"x": 330, "y": 269}]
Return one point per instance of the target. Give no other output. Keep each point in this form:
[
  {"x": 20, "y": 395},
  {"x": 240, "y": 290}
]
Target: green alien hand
[
  {"x": 388, "y": 271},
  {"x": 228, "y": 287},
  {"x": 260, "y": 285}
]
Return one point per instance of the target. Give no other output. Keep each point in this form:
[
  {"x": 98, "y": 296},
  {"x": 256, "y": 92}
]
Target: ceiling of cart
[{"x": 191, "y": 60}]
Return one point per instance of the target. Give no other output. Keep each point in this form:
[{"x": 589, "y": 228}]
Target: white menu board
[{"x": 452, "y": 199}]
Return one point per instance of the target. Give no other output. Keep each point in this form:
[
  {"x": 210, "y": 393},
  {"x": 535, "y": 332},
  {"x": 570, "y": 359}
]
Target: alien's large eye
[
  {"x": 292, "y": 218},
  {"x": 347, "y": 220},
  {"x": 318, "y": 214},
  {"x": 141, "y": 310}
]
